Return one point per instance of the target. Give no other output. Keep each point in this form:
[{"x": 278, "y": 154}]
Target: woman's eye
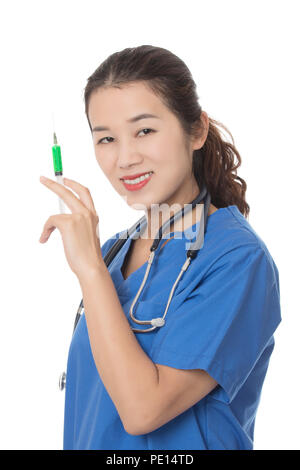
[
  {"x": 146, "y": 129},
  {"x": 101, "y": 140},
  {"x": 142, "y": 130}
]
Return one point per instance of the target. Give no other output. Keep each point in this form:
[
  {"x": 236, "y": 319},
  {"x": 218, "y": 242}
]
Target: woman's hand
[{"x": 79, "y": 230}]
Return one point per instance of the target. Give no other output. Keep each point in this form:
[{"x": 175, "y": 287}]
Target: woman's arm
[
  {"x": 146, "y": 395},
  {"x": 129, "y": 376}
]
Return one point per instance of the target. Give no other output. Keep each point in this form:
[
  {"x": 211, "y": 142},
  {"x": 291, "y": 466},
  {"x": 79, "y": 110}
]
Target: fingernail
[{"x": 43, "y": 179}]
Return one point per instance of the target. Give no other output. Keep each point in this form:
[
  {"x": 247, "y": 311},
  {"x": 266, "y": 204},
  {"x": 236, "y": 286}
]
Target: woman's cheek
[{"x": 105, "y": 164}]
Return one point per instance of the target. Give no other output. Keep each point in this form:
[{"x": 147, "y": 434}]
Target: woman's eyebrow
[{"x": 133, "y": 119}]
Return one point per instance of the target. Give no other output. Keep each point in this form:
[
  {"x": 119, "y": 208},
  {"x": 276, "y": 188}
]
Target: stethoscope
[{"x": 191, "y": 254}]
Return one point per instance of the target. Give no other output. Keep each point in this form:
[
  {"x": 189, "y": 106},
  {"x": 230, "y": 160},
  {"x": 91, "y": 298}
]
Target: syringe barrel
[{"x": 57, "y": 163}]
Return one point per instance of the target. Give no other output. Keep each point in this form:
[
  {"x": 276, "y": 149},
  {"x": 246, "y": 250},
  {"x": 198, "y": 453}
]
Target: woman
[{"x": 195, "y": 382}]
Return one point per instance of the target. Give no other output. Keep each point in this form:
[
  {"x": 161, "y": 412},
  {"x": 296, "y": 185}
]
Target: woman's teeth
[{"x": 138, "y": 180}]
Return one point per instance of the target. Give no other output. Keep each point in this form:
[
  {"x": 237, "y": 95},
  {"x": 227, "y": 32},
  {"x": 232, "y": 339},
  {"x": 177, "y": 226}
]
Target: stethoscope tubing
[{"x": 191, "y": 253}]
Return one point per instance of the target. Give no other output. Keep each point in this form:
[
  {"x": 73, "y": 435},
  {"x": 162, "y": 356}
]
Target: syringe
[{"x": 58, "y": 170}]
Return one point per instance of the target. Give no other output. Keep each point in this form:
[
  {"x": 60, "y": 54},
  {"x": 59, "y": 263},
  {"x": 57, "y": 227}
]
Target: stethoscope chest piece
[{"x": 62, "y": 381}]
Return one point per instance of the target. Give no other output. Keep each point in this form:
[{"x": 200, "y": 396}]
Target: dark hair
[{"x": 170, "y": 79}]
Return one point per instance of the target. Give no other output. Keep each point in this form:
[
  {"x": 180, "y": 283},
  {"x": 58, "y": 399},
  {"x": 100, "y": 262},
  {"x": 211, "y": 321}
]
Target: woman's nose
[{"x": 128, "y": 157}]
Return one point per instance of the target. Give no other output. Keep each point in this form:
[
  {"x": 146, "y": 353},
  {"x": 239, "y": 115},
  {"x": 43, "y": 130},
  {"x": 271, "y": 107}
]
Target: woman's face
[{"x": 132, "y": 146}]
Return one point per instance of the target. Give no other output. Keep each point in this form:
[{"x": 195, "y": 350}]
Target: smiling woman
[{"x": 195, "y": 381}]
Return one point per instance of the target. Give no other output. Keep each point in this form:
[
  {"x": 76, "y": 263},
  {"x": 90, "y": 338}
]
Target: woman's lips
[{"x": 137, "y": 186}]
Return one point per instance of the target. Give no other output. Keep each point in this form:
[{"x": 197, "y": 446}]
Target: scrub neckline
[{"x": 120, "y": 260}]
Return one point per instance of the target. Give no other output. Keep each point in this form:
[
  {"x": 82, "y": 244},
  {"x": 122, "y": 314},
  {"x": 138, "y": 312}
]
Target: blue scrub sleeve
[{"x": 226, "y": 322}]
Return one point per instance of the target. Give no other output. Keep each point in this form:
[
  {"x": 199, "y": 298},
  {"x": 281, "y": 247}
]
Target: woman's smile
[{"x": 138, "y": 183}]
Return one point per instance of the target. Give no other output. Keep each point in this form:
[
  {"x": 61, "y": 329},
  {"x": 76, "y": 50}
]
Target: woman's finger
[
  {"x": 46, "y": 234},
  {"x": 50, "y": 225},
  {"x": 71, "y": 200},
  {"x": 83, "y": 192}
]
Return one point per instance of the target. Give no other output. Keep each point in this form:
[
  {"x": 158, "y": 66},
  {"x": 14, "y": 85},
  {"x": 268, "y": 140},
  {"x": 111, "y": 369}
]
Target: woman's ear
[{"x": 200, "y": 131}]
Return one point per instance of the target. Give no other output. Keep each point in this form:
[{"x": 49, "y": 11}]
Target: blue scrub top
[{"x": 221, "y": 319}]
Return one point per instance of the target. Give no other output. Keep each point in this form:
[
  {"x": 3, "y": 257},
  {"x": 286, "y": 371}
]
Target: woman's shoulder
[
  {"x": 228, "y": 228},
  {"x": 230, "y": 236}
]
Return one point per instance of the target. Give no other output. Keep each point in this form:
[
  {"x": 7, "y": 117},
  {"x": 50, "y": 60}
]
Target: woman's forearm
[{"x": 128, "y": 374}]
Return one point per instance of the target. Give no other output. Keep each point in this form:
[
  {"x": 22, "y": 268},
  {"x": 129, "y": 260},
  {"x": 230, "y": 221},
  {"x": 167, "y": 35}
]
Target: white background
[{"x": 244, "y": 59}]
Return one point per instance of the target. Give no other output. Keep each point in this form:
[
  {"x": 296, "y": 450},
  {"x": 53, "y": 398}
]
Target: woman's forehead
[{"x": 128, "y": 103}]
